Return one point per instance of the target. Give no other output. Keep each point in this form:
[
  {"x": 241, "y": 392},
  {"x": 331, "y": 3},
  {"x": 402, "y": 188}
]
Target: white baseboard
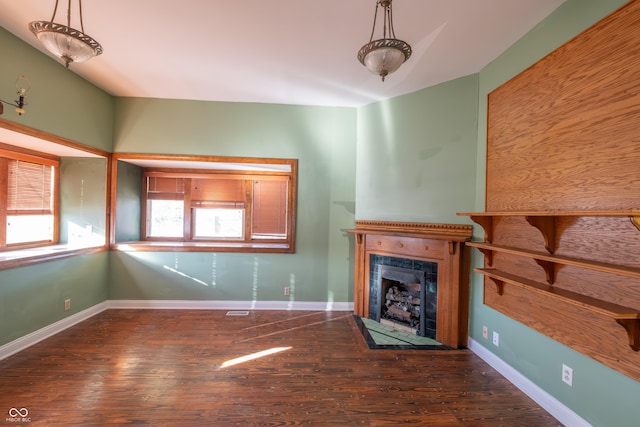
[
  {"x": 231, "y": 305},
  {"x": 552, "y": 405},
  {"x": 35, "y": 337}
]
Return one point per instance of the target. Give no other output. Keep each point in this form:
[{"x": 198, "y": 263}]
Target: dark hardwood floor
[{"x": 181, "y": 368}]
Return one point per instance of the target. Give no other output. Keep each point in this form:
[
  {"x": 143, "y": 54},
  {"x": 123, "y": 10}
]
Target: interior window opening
[{"x": 205, "y": 203}]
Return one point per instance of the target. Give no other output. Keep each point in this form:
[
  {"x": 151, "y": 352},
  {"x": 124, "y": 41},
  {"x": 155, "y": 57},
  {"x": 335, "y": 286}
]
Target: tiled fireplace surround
[
  {"x": 401, "y": 273},
  {"x": 425, "y": 242}
]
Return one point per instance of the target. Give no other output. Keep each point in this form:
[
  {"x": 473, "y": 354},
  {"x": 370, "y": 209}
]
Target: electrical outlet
[
  {"x": 496, "y": 339},
  {"x": 67, "y": 304},
  {"x": 485, "y": 332},
  {"x": 287, "y": 290},
  {"x": 567, "y": 375}
]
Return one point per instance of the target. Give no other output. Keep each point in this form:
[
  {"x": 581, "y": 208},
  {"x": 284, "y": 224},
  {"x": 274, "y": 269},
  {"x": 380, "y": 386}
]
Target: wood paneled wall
[{"x": 564, "y": 135}]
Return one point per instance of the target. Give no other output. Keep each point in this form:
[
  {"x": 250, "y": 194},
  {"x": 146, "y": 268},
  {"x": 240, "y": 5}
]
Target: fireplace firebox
[{"x": 404, "y": 297}]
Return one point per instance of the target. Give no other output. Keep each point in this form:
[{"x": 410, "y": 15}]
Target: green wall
[
  {"x": 321, "y": 138},
  {"x": 59, "y": 101},
  {"x": 83, "y": 200},
  {"x": 33, "y": 297},
  {"x": 417, "y": 154},
  {"x": 63, "y": 104},
  {"x": 128, "y": 197},
  {"x": 599, "y": 394}
]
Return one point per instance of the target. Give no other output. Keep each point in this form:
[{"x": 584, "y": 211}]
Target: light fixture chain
[
  {"x": 375, "y": 18},
  {"x": 392, "y": 32},
  {"x": 80, "y": 9},
  {"x": 68, "y": 14},
  {"x": 55, "y": 9},
  {"x": 386, "y": 20}
]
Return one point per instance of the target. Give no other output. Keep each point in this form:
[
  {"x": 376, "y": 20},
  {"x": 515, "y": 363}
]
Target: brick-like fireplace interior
[{"x": 414, "y": 274}]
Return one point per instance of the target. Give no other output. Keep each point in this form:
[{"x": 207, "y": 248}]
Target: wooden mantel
[{"x": 439, "y": 243}]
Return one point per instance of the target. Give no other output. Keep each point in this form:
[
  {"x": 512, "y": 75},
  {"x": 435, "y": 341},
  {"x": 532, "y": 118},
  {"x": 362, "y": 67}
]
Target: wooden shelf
[
  {"x": 545, "y": 221},
  {"x": 623, "y": 212},
  {"x": 548, "y": 262},
  {"x": 628, "y": 318}
]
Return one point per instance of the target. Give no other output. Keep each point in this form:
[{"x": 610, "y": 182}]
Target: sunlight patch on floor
[{"x": 253, "y": 356}]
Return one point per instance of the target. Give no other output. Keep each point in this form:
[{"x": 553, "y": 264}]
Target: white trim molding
[
  {"x": 552, "y": 405},
  {"x": 230, "y": 305},
  {"x": 35, "y": 337}
]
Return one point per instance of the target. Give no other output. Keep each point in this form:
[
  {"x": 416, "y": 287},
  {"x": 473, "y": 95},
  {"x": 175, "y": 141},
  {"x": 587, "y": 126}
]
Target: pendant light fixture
[
  {"x": 65, "y": 42},
  {"x": 384, "y": 56}
]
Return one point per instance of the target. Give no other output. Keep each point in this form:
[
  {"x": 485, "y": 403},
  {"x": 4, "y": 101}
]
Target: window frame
[
  {"x": 191, "y": 167},
  {"x": 19, "y": 138},
  {"x": 7, "y": 153}
]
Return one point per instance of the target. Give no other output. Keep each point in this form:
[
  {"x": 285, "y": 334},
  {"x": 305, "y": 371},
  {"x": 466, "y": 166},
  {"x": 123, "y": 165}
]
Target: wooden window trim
[
  {"x": 4, "y": 198},
  {"x": 35, "y": 254},
  {"x": 30, "y": 256},
  {"x": 185, "y": 169},
  {"x": 23, "y": 155}
]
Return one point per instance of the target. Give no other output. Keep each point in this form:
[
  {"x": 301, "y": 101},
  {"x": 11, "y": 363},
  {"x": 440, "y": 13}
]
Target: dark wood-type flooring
[{"x": 167, "y": 368}]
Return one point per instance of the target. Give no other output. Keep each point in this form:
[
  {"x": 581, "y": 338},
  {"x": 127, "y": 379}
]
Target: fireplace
[
  {"x": 437, "y": 264},
  {"x": 404, "y": 297}
]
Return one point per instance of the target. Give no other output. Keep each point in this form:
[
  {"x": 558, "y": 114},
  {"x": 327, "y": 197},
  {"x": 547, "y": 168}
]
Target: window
[
  {"x": 53, "y": 197},
  {"x": 269, "y": 207},
  {"x": 202, "y": 203},
  {"x": 215, "y": 207},
  {"x": 28, "y": 183}
]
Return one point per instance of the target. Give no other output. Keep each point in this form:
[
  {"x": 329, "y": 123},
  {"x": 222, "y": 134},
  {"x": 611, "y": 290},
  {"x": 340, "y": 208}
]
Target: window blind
[
  {"x": 217, "y": 190},
  {"x": 29, "y": 187},
  {"x": 165, "y": 188},
  {"x": 269, "y": 208}
]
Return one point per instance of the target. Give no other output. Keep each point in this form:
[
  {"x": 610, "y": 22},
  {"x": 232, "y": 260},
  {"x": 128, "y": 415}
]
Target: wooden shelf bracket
[
  {"x": 488, "y": 255},
  {"x": 635, "y": 220},
  {"x": 549, "y": 269},
  {"x": 632, "y": 326},
  {"x": 499, "y": 284},
  {"x": 486, "y": 222},
  {"x": 547, "y": 226}
]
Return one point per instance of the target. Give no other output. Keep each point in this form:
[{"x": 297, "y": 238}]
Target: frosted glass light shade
[
  {"x": 66, "y": 43},
  {"x": 384, "y": 56}
]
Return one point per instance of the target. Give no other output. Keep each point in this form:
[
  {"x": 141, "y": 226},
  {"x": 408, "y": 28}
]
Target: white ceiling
[
  {"x": 24, "y": 140},
  {"x": 279, "y": 51}
]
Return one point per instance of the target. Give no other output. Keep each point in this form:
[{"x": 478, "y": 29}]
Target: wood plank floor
[{"x": 181, "y": 368}]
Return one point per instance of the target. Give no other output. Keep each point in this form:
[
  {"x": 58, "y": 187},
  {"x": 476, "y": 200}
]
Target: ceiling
[{"x": 279, "y": 51}]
